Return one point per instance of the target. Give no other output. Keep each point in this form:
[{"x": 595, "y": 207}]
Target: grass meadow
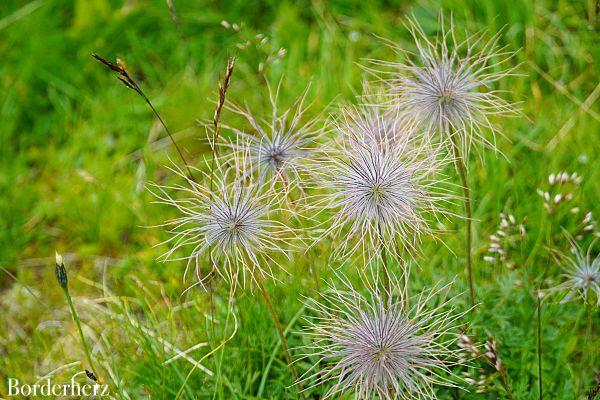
[{"x": 78, "y": 150}]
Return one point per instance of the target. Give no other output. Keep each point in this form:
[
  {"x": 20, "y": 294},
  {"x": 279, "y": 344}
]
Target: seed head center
[
  {"x": 276, "y": 157},
  {"x": 233, "y": 225}
]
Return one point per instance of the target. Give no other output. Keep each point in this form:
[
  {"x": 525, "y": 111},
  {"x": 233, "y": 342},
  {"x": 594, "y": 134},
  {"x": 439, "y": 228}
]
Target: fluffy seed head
[
  {"x": 378, "y": 348},
  {"x": 581, "y": 274},
  {"x": 380, "y": 184},
  {"x": 449, "y": 85},
  {"x": 233, "y": 226},
  {"x": 278, "y": 146}
]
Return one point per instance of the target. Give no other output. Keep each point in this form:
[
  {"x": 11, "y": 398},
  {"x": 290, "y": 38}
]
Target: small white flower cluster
[
  {"x": 581, "y": 270},
  {"x": 562, "y": 189},
  {"x": 505, "y": 241},
  {"x": 258, "y": 42},
  {"x": 479, "y": 375},
  {"x": 586, "y": 226}
]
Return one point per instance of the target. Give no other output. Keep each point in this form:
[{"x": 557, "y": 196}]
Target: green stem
[
  {"x": 468, "y": 214},
  {"x": 539, "y": 342},
  {"x": 388, "y": 285},
  {"x": 386, "y": 271},
  {"x": 78, "y": 323},
  {"x": 284, "y": 343}
]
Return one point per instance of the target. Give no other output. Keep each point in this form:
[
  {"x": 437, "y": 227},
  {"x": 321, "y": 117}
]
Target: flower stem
[
  {"x": 284, "y": 344},
  {"x": 539, "y": 342},
  {"x": 86, "y": 349},
  {"x": 63, "y": 280},
  {"x": 388, "y": 283},
  {"x": 468, "y": 214},
  {"x": 388, "y": 286}
]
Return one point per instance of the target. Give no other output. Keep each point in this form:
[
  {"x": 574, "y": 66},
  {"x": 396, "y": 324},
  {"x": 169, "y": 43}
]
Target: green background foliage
[{"x": 77, "y": 148}]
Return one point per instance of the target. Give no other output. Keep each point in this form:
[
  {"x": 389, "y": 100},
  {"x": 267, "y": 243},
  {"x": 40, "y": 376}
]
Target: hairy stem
[
  {"x": 460, "y": 163},
  {"x": 284, "y": 344},
  {"x": 388, "y": 283}
]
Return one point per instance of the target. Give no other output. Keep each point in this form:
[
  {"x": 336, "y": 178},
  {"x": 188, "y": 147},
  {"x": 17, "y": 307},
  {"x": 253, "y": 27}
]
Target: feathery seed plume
[
  {"x": 381, "y": 191},
  {"x": 235, "y": 222},
  {"x": 448, "y": 85},
  {"x": 372, "y": 346},
  {"x": 581, "y": 274},
  {"x": 278, "y": 146}
]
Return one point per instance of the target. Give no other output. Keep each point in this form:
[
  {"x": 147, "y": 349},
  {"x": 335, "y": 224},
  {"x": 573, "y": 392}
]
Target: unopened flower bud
[{"x": 60, "y": 271}]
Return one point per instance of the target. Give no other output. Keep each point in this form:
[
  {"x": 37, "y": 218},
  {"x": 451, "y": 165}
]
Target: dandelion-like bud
[
  {"x": 60, "y": 271},
  {"x": 376, "y": 347}
]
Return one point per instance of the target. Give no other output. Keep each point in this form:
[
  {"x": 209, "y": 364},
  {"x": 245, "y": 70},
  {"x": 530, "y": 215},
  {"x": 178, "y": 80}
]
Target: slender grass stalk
[
  {"x": 217, "y": 129},
  {"x": 462, "y": 170},
  {"x": 213, "y": 351},
  {"x": 177, "y": 22},
  {"x": 217, "y": 115},
  {"x": 284, "y": 344},
  {"x": 589, "y": 310},
  {"x": 128, "y": 81},
  {"x": 61, "y": 276},
  {"x": 539, "y": 342}
]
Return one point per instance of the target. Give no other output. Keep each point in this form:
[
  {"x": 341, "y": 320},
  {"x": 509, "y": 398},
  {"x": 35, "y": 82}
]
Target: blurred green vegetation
[{"x": 77, "y": 148}]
